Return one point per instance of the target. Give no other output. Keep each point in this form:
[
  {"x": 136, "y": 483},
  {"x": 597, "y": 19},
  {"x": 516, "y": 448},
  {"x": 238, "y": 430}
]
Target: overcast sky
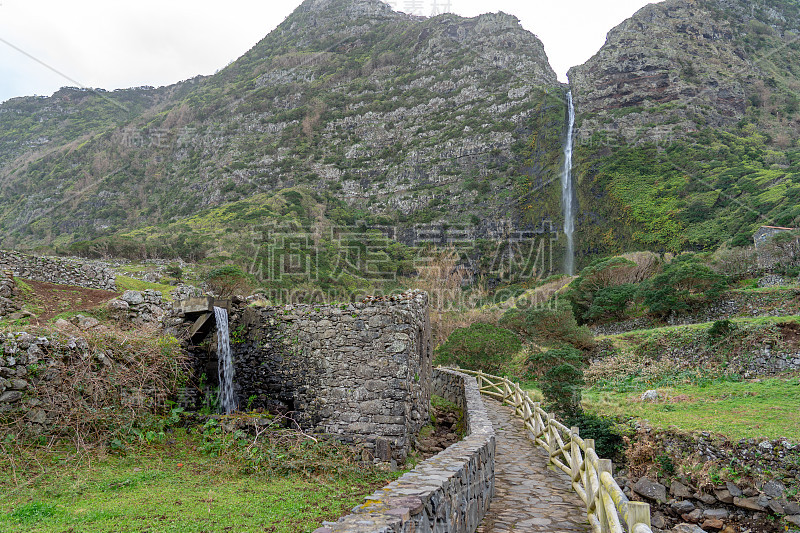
[{"x": 112, "y": 45}]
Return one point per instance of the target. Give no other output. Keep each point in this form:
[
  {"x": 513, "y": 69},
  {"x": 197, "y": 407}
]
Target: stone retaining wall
[
  {"x": 59, "y": 270},
  {"x": 8, "y": 293},
  {"x": 734, "y": 304},
  {"x": 755, "y": 502},
  {"x": 449, "y": 492}
]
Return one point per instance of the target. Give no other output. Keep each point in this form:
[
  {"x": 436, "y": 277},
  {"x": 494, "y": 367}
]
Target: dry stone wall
[
  {"x": 741, "y": 303},
  {"x": 755, "y": 502},
  {"x": 449, "y": 492},
  {"x": 8, "y": 293},
  {"x": 59, "y": 270}
]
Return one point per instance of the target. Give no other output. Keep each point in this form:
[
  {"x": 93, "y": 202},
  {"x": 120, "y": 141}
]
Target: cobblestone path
[{"x": 528, "y": 496}]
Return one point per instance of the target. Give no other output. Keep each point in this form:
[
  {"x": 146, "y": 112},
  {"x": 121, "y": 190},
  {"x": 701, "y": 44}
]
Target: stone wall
[
  {"x": 8, "y": 293},
  {"x": 449, "y": 492},
  {"x": 138, "y": 307},
  {"x": 59, "y": 384},
  {"x": 755, "y": 501},
  {"x": 358, "y": 371},
  {"x": 733, "y": 304},
  {"x": 59, "y": 270}
]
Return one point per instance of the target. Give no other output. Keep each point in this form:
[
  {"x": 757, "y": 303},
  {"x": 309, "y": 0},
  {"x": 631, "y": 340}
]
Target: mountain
[
  {"x": 407, "y": 119},
  {"x": 687, "y": 120},
  {"x": 687, "y": 124},
  {"x": 683, "y": 65}
]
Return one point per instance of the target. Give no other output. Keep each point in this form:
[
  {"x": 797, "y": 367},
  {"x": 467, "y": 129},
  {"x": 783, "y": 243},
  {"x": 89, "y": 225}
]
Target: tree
[{"x": 479, "y": 347}]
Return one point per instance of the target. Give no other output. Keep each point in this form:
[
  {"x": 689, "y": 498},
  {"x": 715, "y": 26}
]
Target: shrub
[
  {"x": 610, "y": 303},
  {"x": 736, "y": 263},
  {"x": 549, "y": 326},
  {"x": 608, "y": 442},
  {"x": 228, "y": 280},
  {"x": 683, "y": 284},
  {"x": 479, "y": 347},
  {"x": 539, "y": 363},
  {"x": 561, "y": 387},
  {"x": 604, "y": 289},
  {"x": 175, "y": 271},
  {"x": 721, "y": 328}
]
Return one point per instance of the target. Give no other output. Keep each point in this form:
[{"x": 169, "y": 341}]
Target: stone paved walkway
[{"x": 528, "y": 496}]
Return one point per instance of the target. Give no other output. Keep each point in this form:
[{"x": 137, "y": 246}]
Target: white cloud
[{"x": 148, "y": 42}]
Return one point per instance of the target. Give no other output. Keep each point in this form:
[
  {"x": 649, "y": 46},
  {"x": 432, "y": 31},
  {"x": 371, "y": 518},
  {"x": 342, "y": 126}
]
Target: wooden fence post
[
  {"x": 587, "y": 472},
  {"x": 574, "y": 454},
  {"x": 638, "y": 513},
  {"x": 551, "y": 439}
]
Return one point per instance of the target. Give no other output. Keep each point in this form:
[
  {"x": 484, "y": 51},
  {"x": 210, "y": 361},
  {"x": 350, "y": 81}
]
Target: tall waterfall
[
  {"x": 566, "y": 193},
  {"x": 227, "y": 398}
]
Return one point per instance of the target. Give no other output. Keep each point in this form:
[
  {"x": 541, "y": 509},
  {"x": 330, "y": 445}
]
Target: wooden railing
[{"x": 608, "y": 509}]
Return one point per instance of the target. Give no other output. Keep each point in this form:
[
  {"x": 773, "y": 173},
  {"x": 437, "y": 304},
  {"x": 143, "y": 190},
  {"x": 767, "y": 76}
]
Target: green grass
[
  {"x": 125, "y": 283},
  {"x": 640, "y": 335},
  {"x": 737, "y": 410},
  {"x": 172, "y": 489}
]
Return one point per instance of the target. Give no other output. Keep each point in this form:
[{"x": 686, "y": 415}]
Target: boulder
[
  {"x": 651, "y": 490},
  {"x": 750, "y": 504},
  {"x": 724, "y": 495},
  {"x": 682, "y": 507},
  {"x": 651, "y": 396},
  {"x": 735, "y": 491},
  {"x": 715, "y": 513},
  {"x": 132, "y": 297},
  {"x": 774, "y": 489},
  {"x": 679, "y": 490},
  {"x": 693, "y": 517},
  {"x": 712, "y": 523}
]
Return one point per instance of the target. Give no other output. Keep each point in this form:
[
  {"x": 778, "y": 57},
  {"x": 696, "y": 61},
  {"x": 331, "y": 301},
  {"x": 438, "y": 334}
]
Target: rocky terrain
[{"x": 680, "y": 66}]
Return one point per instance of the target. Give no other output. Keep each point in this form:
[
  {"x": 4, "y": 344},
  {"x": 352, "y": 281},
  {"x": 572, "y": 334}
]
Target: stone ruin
[{"x": 359, "y": 371}]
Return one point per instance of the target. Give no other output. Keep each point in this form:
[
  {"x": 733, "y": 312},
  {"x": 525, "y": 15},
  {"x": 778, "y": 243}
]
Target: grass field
[
  {"x": 126, "y": 283},
  {"x": 170, "y": 488},
  {"x": 738, "y": 410}
]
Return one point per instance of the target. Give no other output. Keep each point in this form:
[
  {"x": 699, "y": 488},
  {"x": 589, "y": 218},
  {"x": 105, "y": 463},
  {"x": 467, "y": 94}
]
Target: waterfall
[
  {"x": 227, "y": 398},
  {"x": 566, "y": 193}
]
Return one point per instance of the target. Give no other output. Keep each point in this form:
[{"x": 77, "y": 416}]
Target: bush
[
  {"x": 539, "y": 363},
  {"x": 479, "y": 347},
  {"x": 229, "y": 280},
  {"x": 604, "y": 289},
  {"x": 610, "y": 303},
  {"x": 549, "y": 326},
  {"x": 175, "y": 271},
  {"x": 684, "y": 284},
  {"x": 561, "y": 387},
  {"x": 608, "y": 441},
  {"x": 721, "y": 328}
]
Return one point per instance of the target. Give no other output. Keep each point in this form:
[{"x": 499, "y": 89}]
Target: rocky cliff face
[
  {"x": 411, "y": 119},
  {"x": 683, "y": 65}
]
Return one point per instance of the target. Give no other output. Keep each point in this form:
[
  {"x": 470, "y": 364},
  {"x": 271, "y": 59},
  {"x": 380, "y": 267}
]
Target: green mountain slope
[
  {"x": 415, "y": 120},
  {"x": 687, "y": 126}
]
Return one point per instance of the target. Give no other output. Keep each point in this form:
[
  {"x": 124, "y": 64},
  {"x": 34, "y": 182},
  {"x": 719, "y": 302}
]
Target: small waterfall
[
  {"x": 227, "y": 398},
  {"x": 566, "y": 193}
]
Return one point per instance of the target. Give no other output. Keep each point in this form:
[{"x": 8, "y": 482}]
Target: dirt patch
[
  {"x": 49, "y": 299},
  {"x": 790, "y": 331}
]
